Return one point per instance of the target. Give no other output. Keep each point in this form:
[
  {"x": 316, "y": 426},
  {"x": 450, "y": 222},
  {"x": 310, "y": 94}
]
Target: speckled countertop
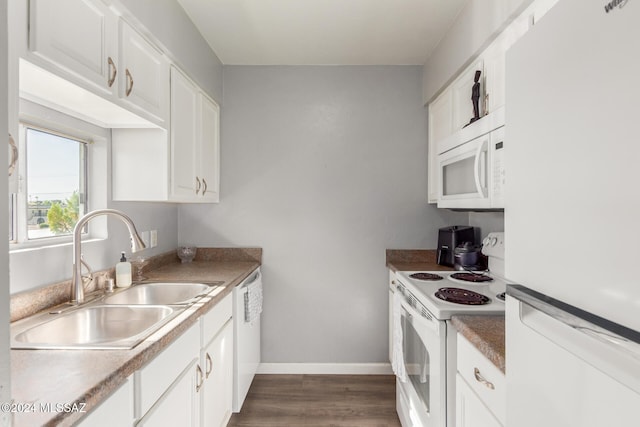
[
  {"x": 414, "y": 260},
  {"x": 90, "y": 376},
  {"x": 486, "y": 333}
]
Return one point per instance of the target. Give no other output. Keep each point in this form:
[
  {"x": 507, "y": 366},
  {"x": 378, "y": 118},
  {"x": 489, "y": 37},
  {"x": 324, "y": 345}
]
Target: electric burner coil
[
  {"x": 462, "y": 296},
  {"x": 472, "y": 277},
  {"x": 426, "y": 276}
]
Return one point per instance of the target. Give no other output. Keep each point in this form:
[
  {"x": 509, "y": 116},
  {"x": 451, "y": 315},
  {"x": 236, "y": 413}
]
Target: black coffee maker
[{"x": 449, "y": 238}]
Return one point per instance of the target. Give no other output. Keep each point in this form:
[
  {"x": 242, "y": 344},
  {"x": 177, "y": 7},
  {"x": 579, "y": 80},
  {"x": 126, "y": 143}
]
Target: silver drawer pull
[{"x": 482, "y": 380}]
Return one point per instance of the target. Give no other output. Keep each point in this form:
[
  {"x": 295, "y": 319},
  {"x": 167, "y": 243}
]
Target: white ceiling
[{"x": 322, "y": 32}]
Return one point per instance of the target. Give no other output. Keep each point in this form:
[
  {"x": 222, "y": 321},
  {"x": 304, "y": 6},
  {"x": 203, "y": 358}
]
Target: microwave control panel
[{"x": 497, "y": 168}]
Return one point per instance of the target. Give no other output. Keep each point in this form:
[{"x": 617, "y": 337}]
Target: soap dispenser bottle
[{"x": 123, "y": 272}]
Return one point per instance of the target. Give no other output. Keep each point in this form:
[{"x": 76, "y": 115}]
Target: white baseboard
[{"x": 326, "y": 368}]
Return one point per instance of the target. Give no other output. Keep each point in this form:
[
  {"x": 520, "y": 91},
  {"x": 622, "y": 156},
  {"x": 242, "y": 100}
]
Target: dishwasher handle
[{"x": 251, "y": 279}]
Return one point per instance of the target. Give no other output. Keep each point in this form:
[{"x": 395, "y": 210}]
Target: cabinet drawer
[
  {"x": 215, "y": 319},
  {"x": 161, "y": 372},
  {"x": 483, "y": 377}
]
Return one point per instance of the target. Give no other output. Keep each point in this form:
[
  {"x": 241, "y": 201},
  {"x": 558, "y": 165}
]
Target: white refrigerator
[{"x": 572, "y": 217}]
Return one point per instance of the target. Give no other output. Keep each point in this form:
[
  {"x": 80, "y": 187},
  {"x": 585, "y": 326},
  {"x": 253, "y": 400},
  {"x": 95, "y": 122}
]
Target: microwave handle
[{"x": 479, "y": 171}]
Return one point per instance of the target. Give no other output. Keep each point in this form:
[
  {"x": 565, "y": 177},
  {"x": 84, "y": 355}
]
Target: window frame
[{"x": 96, "y": 140}]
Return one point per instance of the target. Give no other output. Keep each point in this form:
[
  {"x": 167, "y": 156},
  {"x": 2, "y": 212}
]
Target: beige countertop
[
  {"x": 486, "y": 333},
  {"x": 90, "y": 376}
]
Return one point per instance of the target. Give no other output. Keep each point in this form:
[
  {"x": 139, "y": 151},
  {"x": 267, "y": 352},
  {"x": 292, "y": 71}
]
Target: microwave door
[{"x": 463, "y": 173}]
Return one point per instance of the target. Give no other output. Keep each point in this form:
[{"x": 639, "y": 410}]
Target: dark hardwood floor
[{"x": 319, "y": 401}]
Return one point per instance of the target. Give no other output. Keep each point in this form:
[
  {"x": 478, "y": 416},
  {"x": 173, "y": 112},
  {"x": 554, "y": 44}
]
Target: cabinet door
[
  {"x": 462, "y": 104},
  {"x": 179, "y": 405},
  {"x": 470, "y": 411},
  {"x": 440, "y": 127},
  {"x": 209, "y": 145},
  {"x": 144, "y": 79},
  {"x": 184, "y": 107},
  {"x": 495, "y": 73},
  {"x": 158, "y": 377},
  {"x": 117, "y": 410},
  {"x": 76, "y": 35},
  {"x": 217, "y": 391}
]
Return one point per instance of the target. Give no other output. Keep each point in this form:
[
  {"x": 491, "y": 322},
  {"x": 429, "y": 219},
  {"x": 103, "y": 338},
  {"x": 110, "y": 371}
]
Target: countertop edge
[{"x": 486, "y": 333}]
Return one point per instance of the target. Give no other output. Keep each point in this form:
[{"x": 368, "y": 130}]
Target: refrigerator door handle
[{"x": 604, "y": 331}]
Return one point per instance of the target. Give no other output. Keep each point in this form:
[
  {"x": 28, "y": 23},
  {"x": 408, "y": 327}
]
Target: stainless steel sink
[
  {"x": 161, "y": 293},
  {"x": 92, "y": 327}
]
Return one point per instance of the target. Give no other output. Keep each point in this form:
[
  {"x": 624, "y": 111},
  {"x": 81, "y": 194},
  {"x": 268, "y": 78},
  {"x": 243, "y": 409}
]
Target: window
[
  {"x": 55, "y": 183},
  {"x": 62, "y": 174}
]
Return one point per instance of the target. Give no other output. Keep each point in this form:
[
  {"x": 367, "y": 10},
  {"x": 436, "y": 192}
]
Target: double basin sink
[{"x": 120, "y": 320}]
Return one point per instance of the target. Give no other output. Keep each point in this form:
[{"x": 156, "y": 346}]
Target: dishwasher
[{"x": 247, "y": 308}]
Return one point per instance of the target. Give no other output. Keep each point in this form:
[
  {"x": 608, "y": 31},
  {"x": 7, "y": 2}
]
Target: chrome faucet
[{"x": 77, "y": 286}]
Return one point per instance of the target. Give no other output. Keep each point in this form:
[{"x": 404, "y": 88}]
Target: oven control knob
[{"x": 494, "y": 240}]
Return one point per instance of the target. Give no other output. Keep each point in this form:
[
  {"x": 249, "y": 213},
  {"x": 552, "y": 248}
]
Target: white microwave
[{"x": 472, "y": 175}]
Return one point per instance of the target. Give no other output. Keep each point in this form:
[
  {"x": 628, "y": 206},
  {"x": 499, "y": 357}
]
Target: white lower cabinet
[
  {"x": 217, "y": 390},
  {"x": 117, "y": 410},
  {"x": 178, "y": 405},
  {"x": 480, "y": 389},
  {"x": 190, "y": 383},
  {"x": 168, "y": 384},
  {"x": 470, "y": 410}
]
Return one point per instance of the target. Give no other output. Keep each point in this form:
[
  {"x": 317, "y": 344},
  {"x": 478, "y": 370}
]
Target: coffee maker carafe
[{"x": 449, "y": 238}]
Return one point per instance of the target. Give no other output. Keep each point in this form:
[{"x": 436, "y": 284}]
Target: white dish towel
[
  {"x": 253, "y": 301},
  {"x": 397, "y": 357}
]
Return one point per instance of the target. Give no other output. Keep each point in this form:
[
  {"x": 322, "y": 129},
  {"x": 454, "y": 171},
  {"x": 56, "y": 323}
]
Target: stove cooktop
[{"x": 425, "y": 291}]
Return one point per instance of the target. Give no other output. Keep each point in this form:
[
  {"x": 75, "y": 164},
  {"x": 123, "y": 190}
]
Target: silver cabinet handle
[
  {"x": 204, "y": 190},
  {"x": 113, "y": 72},
  {"x": 129, "y": 82},
  {"x": 209, "y": 365},
  {"x": 200, "y": 378},
  {"x": 198, "y": 185},
  {"x": 482, "y": 380},
  {"x": 14, "y": 155}
]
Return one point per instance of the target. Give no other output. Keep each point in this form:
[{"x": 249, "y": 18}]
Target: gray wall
[
  {"x": 324, "y": 168},
  {"x": 486, "y": 222},
  {"x": 474, "y": 29}
]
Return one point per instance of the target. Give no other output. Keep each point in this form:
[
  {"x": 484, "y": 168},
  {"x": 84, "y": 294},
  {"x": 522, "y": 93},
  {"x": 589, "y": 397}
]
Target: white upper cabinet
[
  {"x": 461, "y": 94},
  {"x": 440, "y": 127},
  {"x": 78, "y": 36},
  {"x": 145, "y": 78},
  {"x": 209, "y": 159},
  {"x": 182, "y": 165},
  {"x": 495, "y": 67},
  {"x": 195, "y": 142},
  {"x": 184, "y": 105},
  {"x": 87, "y": 44}
]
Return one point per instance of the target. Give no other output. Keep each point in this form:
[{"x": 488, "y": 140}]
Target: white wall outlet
[
  {"x": 153, "y": 238},
  {"x": 145, "y": 236}
]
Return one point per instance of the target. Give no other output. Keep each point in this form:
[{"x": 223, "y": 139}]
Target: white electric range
[{"x": 424, "y": 302}]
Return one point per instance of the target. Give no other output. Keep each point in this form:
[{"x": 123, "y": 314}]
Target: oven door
[
  {"x": 464, "y": 176},
  {"x": 421, "y": 399}
]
